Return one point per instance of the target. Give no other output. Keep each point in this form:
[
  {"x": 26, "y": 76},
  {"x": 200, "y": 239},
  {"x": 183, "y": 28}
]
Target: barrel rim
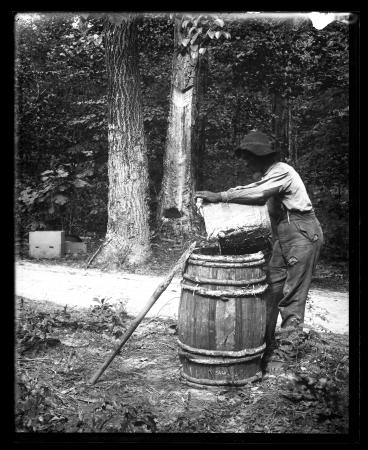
[
  {"x": 225, "y": 294},
  {"x": 258, "y": 256},
  {"x": 207, "y": 382},
  {"x": 200, "y": 359},
  {"x": 227, "y": 265},
  {"x": 224, "y": 353},
  {"x": 215, "y": 281}
]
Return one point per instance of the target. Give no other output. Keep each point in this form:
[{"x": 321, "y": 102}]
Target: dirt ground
[
  {"x": 67, "y": 282},
  {"x": 69, "y": 319},
  {"x": 142, "y": 391}
]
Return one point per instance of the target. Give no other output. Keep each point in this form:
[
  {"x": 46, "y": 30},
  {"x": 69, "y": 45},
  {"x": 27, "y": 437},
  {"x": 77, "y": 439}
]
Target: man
[{"x": 296, "y": 232}]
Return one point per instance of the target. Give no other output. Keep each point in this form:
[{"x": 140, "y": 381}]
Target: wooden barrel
[{"x": 222, "y": 319}]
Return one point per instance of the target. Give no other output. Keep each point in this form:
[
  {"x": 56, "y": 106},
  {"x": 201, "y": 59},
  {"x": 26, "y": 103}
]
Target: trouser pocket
[{"x": 310, "y": 230}]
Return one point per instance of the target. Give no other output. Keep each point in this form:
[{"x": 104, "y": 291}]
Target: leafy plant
[
  {"x": 33, "y": 406},
  {"x": 116, "y": 417},
  {"x": 33, "y": 329},
  {"x": 108, "y": 317}
]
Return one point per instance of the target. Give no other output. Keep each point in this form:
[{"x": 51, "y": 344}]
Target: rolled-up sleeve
[{"x": 258, "y": 192}]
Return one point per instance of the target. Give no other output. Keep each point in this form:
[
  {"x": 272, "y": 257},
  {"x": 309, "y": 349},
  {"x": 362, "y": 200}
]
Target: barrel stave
[
  {"x": 222, "y": 273},
  {"x": 220, "y": 374}
]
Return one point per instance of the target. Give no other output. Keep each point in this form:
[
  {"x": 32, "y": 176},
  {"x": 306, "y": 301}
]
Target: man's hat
[{"x": 257, "y": 143}]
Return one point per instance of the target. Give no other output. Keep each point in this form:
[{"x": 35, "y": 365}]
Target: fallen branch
[
  {"x": 97, "y": 252},
  {"x": 33, "y": 359},
  {"x": 159, "y": 290}
]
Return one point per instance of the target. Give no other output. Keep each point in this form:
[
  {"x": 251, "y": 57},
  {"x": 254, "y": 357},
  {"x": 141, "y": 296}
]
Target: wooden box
[
  {"x": 46, "y": 244},
  {"x": 75, "y": 247}
]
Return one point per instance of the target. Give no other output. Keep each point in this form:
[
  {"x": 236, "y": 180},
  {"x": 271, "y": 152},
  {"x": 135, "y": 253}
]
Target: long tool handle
[{"x": 159, "y": 290}]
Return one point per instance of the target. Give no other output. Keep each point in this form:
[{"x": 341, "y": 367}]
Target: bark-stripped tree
[
  {"x": 127, "y": 236},
  {"x": 185, "y": 134}
]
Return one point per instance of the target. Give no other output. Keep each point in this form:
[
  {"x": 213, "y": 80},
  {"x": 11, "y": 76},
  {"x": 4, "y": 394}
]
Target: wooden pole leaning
[{"x": 157, "y": 293}]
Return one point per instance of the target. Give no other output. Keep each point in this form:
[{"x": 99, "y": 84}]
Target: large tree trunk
[
  {"x": 127, "y": 237},
  {"x": 176, "y": 205}
]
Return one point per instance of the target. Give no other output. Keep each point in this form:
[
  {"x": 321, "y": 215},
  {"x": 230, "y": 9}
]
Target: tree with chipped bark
[
  {"x": 185, "y": 133},
  {"x": 127, "y": 236}
]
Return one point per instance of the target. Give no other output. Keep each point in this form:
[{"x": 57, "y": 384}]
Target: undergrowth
[{"x": 59, "y": 349}]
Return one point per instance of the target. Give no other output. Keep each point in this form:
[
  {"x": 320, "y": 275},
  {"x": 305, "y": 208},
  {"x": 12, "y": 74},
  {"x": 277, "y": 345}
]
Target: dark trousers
[{"x": 294, "y": 257}]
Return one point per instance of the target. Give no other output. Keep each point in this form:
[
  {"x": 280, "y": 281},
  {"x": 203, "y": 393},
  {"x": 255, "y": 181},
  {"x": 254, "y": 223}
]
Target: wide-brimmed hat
[{"x": 256, "y": 142}]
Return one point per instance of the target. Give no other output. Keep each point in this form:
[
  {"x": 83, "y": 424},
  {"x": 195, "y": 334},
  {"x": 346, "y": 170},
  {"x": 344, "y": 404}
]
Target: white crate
[{"x": 46, "y": 244}]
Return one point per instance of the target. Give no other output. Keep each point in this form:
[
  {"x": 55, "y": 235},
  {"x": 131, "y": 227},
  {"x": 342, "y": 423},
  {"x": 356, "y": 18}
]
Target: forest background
[{"x": 283, "y": 76}]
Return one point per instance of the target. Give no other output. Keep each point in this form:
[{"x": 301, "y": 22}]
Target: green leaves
[
  {"x": 78, "y": 183},
  {"x": 47, "y": 172},
  {"x": 217, "y": 34},
  {"x": 198, "y": 29},
  {"x": 211, "y": 34},
  {"x": 185, "y": 42},
  {"x": 28, "y": 196},
  {"x": 97, "y": 40},
  {"x": 194, "y": 37},
  {"x": 60, "y": 199},
  {"x": 219, "y": 22},
  {"x": 185, "y": 23},
  {"x": 61, "y": 173}
]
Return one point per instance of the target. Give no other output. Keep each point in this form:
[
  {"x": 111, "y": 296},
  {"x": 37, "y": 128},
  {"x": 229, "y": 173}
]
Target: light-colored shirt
[{"x": 280, "y": 181}]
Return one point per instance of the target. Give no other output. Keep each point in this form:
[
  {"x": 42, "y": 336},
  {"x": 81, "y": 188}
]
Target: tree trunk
[
  {"x": 127, "y": 236},
  {"x": 199, "y": 151},
  {"x": 279, "y": 122},
  {"x": 176, "y": 205},
  {"x": 295, "y": 143},
  {"x": 290, "y": 134},
  {"x": 237, "y": 113}
]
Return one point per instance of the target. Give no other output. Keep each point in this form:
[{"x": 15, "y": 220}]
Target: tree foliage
[
  {"x": 61, "y": 111},
  {"x": 61, "y": 123}
]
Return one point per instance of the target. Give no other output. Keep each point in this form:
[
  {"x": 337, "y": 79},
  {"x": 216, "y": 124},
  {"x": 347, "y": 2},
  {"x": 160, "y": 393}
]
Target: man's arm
[
  {"x": 208, "y": 196},
  {"x": 258, "y": 192}
]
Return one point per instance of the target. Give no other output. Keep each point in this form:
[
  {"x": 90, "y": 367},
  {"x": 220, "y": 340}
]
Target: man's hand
[{"x": 212, "y": 197}]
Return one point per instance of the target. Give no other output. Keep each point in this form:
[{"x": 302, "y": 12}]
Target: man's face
[
  {"x": 252, "y": 164},
  {"x": 257, "y": 176}
]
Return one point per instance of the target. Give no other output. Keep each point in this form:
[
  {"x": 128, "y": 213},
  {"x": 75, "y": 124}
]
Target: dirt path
[
  {"x": 142, "y": 390},
  {"x": 326, "y": 309}
]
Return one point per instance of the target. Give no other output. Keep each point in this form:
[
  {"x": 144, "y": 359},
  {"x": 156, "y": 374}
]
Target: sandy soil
[{"x": 327, "y": 310}]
